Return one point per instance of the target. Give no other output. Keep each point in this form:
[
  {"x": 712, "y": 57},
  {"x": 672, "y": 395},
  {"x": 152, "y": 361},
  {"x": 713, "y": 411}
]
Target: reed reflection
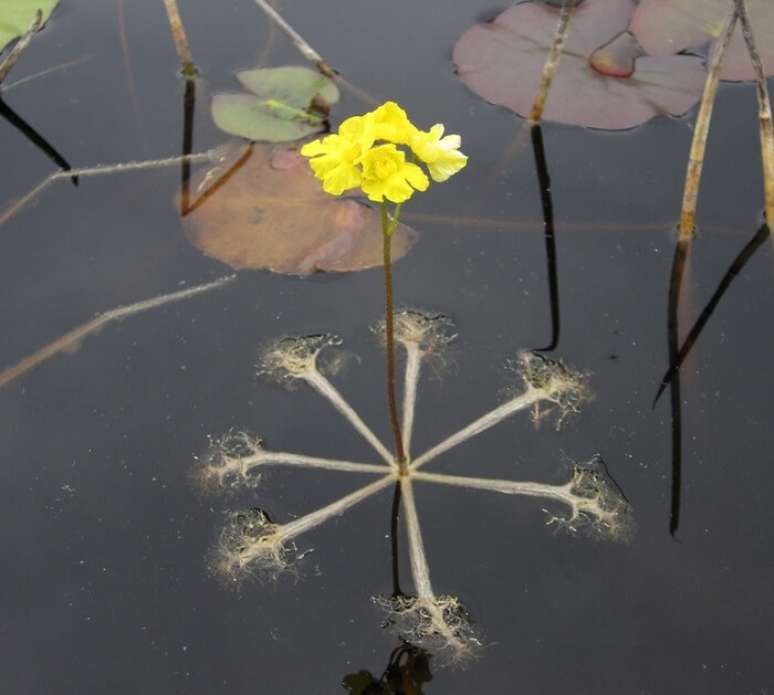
[
  {"x": 679, "y": 352},
  {"x": 10, "y": 116},
  {"x": 544, "y": 183}
]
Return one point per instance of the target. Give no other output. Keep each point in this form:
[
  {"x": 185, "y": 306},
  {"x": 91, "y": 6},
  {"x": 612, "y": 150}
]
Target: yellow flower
[
  {"x": 440, "y": 154},
  {"x": 334, "y": 158},
  {"x": 387, "y": 175},
  {"x": 392, "y": 124},
  {"x": 350, "y": 158}
]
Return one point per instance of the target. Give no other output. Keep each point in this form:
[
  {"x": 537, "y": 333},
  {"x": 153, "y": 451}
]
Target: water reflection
[
  {"x": 189, "y": 107},
  {"x": 408, "y": 666},
  {"x": 678, "y": 353},
  {"x": 673, "y": 337},
  {"x": 395, "y": 564},
  {"x": 9, "y": 115},
  {"x": 407, "y": 671},
  {"x": 734, "y": 269},
  {"x": 544, "y": 182}
]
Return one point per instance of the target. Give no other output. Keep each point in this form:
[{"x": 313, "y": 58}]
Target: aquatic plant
[
  {"x": 252, "y": 544},
  {"x": 377, "y": 153},
  {"x": 284, "y": 104}
]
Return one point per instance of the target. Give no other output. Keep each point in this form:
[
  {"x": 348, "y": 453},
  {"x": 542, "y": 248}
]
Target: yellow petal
[
  {"x": 340, "y": 179},
  {"x": 312, "y": 149},
  {"x": 415, "y": 176},
  {"x": 397, "y": 190},
  {"x": 447, "y": 164}
]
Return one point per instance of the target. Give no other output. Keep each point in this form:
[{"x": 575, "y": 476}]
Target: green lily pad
[
  {"x": 16, "y": 16},
  {"x": 287, "y": 103},
  {"x": 292, "y": 84}
]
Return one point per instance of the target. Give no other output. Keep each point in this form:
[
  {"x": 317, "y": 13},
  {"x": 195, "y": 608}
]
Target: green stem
[{"x": 388, "y": 228}]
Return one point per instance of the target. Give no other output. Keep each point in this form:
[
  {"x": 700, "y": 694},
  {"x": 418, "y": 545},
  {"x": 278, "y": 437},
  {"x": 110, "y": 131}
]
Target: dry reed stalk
[
  {"x": 101, "y": 170},
  {"x": 552, "y": 63},
  {"x": 48, "y": 71},
  {"x": 298, "y": 41},
  {"x": 180, "y": 38},
  {"x": 73, "y": 338},
  {"x": 15, "y": 53},
  {"x": 701, "y": 131},
  {"x": 313, "y": 56},
  {"x": 764, "y": 110}
]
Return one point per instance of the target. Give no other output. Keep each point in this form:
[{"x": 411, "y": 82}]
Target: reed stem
[
  {"x": 551, "y": 64},
  {"x": 6, "y": 65},
  {"x": 180, "y": 38},
  {"x": 75, "y": 336},
  {"x": 700, "y": 133},
  {"x": 764, "y": 110},
  {"x": 299, "y": 41}
]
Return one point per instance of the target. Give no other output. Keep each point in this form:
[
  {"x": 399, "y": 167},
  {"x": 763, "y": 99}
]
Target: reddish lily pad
[
  {"x": 265, "y": 209},
  {"x": 668, "y": 26},
  {"x": 604, "y": 79}
]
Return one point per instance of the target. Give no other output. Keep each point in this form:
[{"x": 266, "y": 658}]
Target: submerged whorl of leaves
[
  {"x": 439, "y": 624},
  {"x": 291, "y": 358},
  {"x": 250, "y": 545},
  {"x": 225, "y": 464},
  {"x": 566, "y": 388},
  {"x": 599, "y": 507},
  {"x": 423, "y": 329}
]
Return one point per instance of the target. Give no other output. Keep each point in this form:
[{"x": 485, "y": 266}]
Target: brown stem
[
  {"x": 764, "y": 110},
  {"x": 180, "y": 39},
  {"x": 552, "y": 63},
  {"x": 387, "y": 230},
  {"x": 14, "y": 54},
  {"x": 701, "y": 131}
]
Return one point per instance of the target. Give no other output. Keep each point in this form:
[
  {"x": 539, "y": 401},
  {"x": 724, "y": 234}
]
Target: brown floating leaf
[
  {"x": 604, "y": 79},
  {"x": 263, "y": 208}
]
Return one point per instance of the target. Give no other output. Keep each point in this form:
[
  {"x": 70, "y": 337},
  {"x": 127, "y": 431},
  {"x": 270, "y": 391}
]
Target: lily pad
[
  {"x": 669, "y": 26},
  {"x": 604, "y": 80},
  {"x": 269, "y": 212},
  {"x": 16, "y": 16},
  {"x": 286, "y": 104}
]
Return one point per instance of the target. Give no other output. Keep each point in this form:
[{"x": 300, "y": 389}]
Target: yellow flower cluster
[{"x": 364, "y": 154}]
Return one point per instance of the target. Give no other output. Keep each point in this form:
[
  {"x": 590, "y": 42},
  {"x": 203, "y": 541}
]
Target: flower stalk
[
  {"x": 389, "y": 225},
  {"x": 382, "y": 153}
]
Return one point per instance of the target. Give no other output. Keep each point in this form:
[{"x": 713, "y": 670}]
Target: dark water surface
[{"x": 105, "y": 539}]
